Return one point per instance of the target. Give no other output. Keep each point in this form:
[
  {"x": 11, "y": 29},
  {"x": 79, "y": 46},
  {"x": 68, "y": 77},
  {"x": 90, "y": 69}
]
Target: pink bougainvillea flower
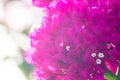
[
  {"x": 41, "y": 3},
  {"x": 78, "y": 39},
  {"x": 112, "y": 66}
]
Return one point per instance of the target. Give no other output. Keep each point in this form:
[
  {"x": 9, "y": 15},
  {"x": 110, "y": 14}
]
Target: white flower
[
  {"x": 101, "y": 55},
  {"x": 98, "y": 61},
  {"x": 93, "y": 54}
]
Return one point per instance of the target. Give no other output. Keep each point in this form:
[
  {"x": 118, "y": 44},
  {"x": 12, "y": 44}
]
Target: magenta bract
[
  {"x": 41, "y": 3},
  {"x": 78, "y": 39}
]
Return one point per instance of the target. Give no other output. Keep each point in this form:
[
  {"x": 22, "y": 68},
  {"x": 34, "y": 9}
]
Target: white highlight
[
  {"x": 61, "y": 44},
  {"x": 67, "y": 48},
  {"x": 117, "y": 71}
]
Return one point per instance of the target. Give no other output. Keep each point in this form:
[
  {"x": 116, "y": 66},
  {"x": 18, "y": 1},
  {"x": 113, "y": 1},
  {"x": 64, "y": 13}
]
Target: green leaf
[
  {"x": 110, "y": 76},
  {"x": 26, "y": 69}
]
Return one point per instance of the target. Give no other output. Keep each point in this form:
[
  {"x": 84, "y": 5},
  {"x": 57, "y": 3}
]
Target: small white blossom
[
  {"x": 101, "y": 55},
  {"x": 93, "y": 54},
  {"x": 98, "y": 61}
]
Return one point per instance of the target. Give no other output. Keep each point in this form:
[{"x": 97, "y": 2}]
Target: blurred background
[{"x": 17, "y": 19}]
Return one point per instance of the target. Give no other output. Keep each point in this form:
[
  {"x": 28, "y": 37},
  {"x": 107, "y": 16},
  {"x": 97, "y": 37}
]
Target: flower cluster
[{"x": 78, "y": 40}]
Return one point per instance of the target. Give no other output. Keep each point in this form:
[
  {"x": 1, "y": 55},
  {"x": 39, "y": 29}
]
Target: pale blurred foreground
[{"x": 17, "y": 19}]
